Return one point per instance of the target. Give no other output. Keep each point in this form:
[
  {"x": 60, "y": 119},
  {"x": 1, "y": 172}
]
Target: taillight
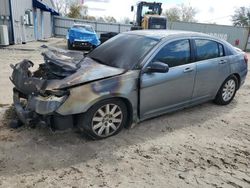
[{"x": 246, "y": 58}]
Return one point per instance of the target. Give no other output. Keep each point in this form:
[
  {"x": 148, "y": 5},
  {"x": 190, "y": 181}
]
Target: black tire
[
  {"x": 70, "y": 46},
  {"x": 86, "y": 123},
  {"x": 219, "y": 99}
]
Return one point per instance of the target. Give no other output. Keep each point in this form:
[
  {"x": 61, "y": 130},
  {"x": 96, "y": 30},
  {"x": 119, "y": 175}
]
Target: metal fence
[
  {"x": 237, "y": 36},
  {"x": 62, "y": 24}
]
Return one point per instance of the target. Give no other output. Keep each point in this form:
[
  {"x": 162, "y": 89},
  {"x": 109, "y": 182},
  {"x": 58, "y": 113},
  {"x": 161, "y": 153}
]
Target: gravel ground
[{"x": 203, "y": 146}]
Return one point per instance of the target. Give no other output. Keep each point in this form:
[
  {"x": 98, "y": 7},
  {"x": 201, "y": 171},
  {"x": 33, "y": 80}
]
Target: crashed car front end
[
  {"x": 63, "y": 86},
  {"x": 33, "y": 103}
]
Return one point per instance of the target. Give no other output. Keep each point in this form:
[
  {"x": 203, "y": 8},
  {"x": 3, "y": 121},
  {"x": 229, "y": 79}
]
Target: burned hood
[
  {"x": 61, "y": 69},
  {"x": 88, "y": 71}
]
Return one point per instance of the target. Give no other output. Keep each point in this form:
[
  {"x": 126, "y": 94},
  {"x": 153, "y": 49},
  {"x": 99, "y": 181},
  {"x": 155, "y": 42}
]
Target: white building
[{"x": 27, "y": 20}]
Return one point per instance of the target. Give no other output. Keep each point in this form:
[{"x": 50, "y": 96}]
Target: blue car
[{"x": 82, "y": 36}]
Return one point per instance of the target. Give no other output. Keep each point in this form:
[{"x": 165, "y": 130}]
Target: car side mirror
[{"x": 157, "y": 67}]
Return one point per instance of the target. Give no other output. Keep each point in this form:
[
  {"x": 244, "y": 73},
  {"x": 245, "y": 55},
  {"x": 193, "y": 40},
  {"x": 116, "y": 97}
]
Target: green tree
[
  {"x": 63, "y": 6},
  {"x": 91, "y": 18},
  {"x": 75, "y": 11},
  {"x": 59, "y": 5},
  {"x": 125, "y": 20},
  {"x": 84, "y": 10},
  {"x": 110, "y": 19},
  {"x": 100, "y": 19},
  {"x": 188, "y": 13},
  {"x": 173, "y": 14},
  {"x": 181, "y": 12},
  {"x": 241, "y": 17}
]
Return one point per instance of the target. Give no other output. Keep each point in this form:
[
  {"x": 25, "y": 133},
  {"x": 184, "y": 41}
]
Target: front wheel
[
  {"x": 104, "y": 119},
  {"x": 227, "y": 91}
]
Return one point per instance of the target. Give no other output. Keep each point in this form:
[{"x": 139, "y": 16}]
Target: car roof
[{"x": 159, "y": 34}]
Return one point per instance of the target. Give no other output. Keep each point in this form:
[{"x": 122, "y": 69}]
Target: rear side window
[
  {"x": 174, "y": 53},
  {"x": 207, "y": 49}
]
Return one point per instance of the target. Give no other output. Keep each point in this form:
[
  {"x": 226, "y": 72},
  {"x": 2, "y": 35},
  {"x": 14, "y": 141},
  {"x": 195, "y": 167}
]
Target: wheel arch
[
  {"x": 233, "y": 74},
  {"x": 238, "y": 79},
  {"x": 126, "y": 101},
  {"x": 129, "y": 110}
]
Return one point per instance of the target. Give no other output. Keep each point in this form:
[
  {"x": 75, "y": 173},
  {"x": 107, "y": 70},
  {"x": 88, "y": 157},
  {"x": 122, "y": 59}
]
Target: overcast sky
[{"x": 209, "y": 11}]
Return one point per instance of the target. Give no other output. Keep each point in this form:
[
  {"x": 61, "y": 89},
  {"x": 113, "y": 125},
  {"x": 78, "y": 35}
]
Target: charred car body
[{"x": 132, "y": 77}]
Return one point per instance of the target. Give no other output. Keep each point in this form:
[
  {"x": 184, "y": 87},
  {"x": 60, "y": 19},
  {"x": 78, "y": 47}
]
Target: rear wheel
[
  {"x": 104, "y": 119},
  {"x": 227, "y": 91}
]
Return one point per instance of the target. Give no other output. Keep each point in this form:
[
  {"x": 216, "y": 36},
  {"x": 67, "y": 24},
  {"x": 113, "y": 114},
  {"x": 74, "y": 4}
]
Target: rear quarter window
[{"x": 208, "y": 49}]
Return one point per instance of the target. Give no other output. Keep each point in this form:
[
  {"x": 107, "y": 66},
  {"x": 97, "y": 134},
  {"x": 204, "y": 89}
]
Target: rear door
[{"x": 212, "y": 68}]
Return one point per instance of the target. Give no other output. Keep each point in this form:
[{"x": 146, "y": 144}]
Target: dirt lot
[{"x": 203, "y": 146}]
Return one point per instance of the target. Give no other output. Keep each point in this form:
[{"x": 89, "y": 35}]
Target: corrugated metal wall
[
  {"x": 228, "y": 33},
  {"x": 248, "y": 44},
  {"x": 47, "y": 29},
  {"x": 5, "y": 17},
  {"x": 62, "y": 25},
  {"x": 22, "y": 33},
  {"x": 41, "y": 29},
  {"x": 37, "y": 24}
]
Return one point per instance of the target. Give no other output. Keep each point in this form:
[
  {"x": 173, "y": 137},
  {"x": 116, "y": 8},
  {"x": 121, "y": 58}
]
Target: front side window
[
  {"x": 207, "y": 49},
  {"x": 174, "y": 53}
]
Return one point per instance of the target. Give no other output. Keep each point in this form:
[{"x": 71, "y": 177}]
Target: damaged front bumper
[
  {"x": 33, "y": 104},
  {"x": 39, "y": 110}
]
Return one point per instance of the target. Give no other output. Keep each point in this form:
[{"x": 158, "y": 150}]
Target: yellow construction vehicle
[{"x": 148, "y": 16}]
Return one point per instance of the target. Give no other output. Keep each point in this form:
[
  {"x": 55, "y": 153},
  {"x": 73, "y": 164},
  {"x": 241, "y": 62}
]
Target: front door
[{"x": 162, "y": 92}]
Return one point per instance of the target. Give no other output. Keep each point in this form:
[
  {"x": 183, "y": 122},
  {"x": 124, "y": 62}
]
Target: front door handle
[
  {"x": 222, "y": 61},
  {"x": 188, "y": 69}
]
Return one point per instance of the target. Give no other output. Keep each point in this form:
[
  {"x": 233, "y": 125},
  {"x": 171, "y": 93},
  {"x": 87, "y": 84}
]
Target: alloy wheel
[
  {"x": 107, "y": 120},
  {"x": 228, "y": 90}
]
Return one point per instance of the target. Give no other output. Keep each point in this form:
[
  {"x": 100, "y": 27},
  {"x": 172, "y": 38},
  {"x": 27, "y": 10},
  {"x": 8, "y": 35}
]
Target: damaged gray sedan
[{"x": 132, "y": 77}]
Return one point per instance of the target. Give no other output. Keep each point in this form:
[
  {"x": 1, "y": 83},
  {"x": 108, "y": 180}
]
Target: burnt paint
[
  {"x": 23, "y": 80},
  {"x": 83, "y": 97},
  {"x": 106, "y": 86}
]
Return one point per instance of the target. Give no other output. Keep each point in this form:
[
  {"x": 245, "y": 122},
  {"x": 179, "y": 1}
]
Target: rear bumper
[{"x": 243, "y": 76}]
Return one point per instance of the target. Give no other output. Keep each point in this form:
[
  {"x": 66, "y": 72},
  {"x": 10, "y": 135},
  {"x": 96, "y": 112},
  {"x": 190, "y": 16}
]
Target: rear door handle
[
  {"x": 188, "y": 69},
  {"x": 222, "y": 61}
]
